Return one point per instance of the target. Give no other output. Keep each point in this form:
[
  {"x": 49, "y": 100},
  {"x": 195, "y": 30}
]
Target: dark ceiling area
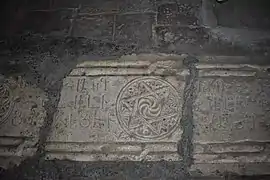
[{"x": 45, "y": 15}]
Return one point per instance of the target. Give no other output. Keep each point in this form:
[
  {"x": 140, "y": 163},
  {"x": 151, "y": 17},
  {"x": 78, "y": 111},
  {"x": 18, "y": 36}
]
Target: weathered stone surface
[
  {"x": 231, "y": 118},
  {"x": 177, "y": 13},
  {"x": 232, "y": 109},
  {"x": 96, "y": 6},
  {"x": 134, "y": 29},
  {"x": 188, "y": 14},
  {"x": 21, "y": 116},
  {"x": 182, "y": 36},
  {"x": 167, "y": 13},
  {"x": 95, "y": 27},
  {"x": 127, "y": 109},
  {"x": 135, "y": 6}
]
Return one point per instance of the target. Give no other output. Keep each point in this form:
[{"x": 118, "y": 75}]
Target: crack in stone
[
  {"x": 185, "y": 147},
  {"x": 51, "y": 108}
]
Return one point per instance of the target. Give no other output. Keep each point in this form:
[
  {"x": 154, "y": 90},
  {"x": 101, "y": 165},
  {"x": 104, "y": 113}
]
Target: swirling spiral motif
[
  {"x": 148, "y": 108},
  {"x": 6, "y": 104}
]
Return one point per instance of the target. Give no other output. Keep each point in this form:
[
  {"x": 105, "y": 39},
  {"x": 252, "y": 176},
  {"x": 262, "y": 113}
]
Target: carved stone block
[
  {"x": 119, "y": 110},
  {"x": 231, "y": 119}
]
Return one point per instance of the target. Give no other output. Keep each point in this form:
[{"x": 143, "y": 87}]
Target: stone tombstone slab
[
  {"x": 124, "y": 109},
  {"x": 231, "y": 118},
  {"x": 21, "y": 117}
]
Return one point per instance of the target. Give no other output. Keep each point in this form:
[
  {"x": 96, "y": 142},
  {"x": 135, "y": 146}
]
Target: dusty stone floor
[{"x": 219, "y": 115}]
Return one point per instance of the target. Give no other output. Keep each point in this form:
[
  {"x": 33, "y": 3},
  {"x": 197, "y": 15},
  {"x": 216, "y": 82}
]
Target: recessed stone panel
[
  {"x": 109, "y": 113},
  {"x": 231, "y": 119}
]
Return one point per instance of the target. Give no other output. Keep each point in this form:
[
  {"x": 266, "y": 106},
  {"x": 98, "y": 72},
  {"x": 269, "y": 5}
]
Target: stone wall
[{"x": 141, "y": 23}]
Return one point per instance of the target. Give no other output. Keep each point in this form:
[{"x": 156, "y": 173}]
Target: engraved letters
[
  {"x": 89, "y": 101},
  {"x": 235, "y": 104},
  {"x": 89, "y": 105}
]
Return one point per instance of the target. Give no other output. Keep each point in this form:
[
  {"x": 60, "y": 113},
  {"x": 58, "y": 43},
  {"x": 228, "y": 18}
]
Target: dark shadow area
[{"x": 244, "y": 14}]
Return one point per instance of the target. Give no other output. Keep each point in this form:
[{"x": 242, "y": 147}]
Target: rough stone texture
[
  {"x": 129, "y": 27},
  {"x": 138, "y": 6},
  {"x": 101, "y": 27},
  {"x": 22, "y": 115},
  {"x": 175, "y": 21}
]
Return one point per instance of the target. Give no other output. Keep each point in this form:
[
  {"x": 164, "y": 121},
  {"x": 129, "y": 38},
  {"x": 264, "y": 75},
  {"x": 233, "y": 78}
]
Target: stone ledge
[{"x": 112, "y": 152}]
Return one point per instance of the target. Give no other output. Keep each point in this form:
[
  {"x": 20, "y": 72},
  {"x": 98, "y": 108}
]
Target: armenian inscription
[
  {"x": 148, "y": 108},
  {"x": 232, "y": 109}
]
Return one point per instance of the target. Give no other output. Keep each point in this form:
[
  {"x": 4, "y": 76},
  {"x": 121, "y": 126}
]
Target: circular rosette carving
[{"x": 148, "y": 108}]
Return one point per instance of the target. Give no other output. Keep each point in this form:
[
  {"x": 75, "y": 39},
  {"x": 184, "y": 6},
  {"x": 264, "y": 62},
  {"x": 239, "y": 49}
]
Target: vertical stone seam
[
  {"x": 185, "y": 146},
  {"x": 51, "y": 108}
]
